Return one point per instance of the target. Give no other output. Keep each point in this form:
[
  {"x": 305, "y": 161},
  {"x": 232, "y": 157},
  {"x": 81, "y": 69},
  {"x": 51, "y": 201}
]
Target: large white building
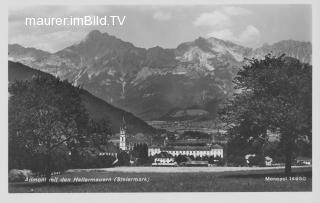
[{"x": 195, "y": 151}]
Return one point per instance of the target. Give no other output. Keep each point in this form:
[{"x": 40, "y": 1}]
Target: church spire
[
  {"x": 122, "y": 143},
  {"x": 123, "y": 124}
]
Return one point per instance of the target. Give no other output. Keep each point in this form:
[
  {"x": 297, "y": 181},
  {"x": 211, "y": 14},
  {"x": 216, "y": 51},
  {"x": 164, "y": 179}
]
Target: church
[{"x": 125, "y": 141}]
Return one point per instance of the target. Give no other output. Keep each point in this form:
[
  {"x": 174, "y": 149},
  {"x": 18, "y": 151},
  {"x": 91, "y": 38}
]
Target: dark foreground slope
[{"x": 97, "y": 108}]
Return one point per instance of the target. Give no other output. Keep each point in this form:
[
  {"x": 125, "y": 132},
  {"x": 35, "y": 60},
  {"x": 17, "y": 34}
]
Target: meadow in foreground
[{"x": 240, "y": 181}]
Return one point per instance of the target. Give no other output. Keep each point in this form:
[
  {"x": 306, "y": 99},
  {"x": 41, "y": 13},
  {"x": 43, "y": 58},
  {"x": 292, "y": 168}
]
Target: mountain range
[{"x": 156, "y": 82}]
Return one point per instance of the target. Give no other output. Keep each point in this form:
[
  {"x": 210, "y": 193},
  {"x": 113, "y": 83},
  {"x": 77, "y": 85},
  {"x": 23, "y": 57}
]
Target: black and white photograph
[{"x": 160, "y": 98}]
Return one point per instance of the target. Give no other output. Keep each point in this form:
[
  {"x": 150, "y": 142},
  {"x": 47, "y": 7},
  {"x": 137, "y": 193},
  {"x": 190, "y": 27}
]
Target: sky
[{"x": 166, "y": 26}]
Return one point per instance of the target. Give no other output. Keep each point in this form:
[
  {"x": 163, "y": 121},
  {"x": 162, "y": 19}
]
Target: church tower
[{"x": 122, "y": 144}]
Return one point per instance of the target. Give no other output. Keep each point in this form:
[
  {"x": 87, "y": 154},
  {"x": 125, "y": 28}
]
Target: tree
[
  {"x": 181, "y": 158},
  {"x": 98, "y": 133},
  {"x": 123, "y": 159},
  {"x": 219, "y": 160},
  {"x": 46, "y": 118},
  {"x": 198, "y": 158},
  {"x": 273, "y": 94},
  {"x": 257, "y": 160},
  {"x": 237, "y": 160},
  {"x": 140, "y": 151}
]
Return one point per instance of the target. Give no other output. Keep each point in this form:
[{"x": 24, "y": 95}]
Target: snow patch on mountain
[
  {"x": 123, "y": 86},
  {"x": 197, "y": 55}
]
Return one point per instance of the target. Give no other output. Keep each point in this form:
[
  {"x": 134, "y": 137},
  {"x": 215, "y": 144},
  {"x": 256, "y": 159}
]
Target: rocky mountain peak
[
  {"x": 94, "y": 35},
  {"x": 151, "y": 82}
]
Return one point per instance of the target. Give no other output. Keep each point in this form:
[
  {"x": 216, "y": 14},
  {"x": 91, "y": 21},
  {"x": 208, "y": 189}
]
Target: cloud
[
  {"x": 222, "y": 26},
  {"x": 162, "y": 16},
  {"x": 250, "y": 36},
  {"x": 221, "y": 17},
  {"x": 215, "y": 18},
  {"x": 236, "y": 11}
]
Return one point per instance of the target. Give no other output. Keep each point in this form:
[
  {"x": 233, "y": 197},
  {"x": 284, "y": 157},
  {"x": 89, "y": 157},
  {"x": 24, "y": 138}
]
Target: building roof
[
  {"x": 154, "y": 147},
  {"x": 186, "y": 148},
  {"x": 163, "y": 155},
  {"x": 216, "y": 146},
  {"x": 188, "y": 142}
]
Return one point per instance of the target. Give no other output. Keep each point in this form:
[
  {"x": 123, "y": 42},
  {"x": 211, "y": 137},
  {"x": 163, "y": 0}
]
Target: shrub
[
  {"x": 16, "y": 175},
  {"x": 256, "y": 160},
  {"x": 180, "y": 158},
  {"x": 123, "y": 159},
  {"x": 237, "y": 160}
]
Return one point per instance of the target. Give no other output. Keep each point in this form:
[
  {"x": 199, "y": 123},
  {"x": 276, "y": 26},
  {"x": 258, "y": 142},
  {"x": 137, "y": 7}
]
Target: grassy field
[{"x": 228, "y": 181}]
